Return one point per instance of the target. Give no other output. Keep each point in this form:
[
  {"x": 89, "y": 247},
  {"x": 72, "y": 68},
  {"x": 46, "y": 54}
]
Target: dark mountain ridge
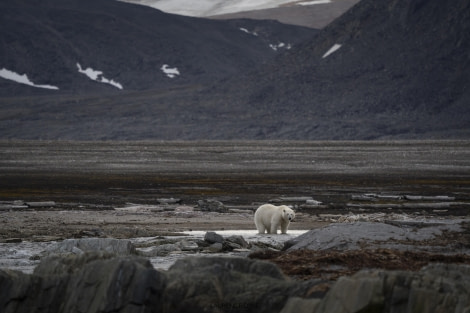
[
  {"x": 127, "y": 43},
  {"x": 401, "y": 71}
]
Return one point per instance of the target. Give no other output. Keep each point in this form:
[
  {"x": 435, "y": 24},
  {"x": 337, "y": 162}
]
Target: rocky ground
[
  {"x": 416, "y": 193},
  {"x": 126, "y": 222},
  {"x": 26, "y": 234}
]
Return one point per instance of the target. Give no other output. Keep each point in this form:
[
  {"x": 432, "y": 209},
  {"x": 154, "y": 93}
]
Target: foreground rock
[
  {"x": 89, "y": 283},
  {"x": 436, "y": 288},
  {"x": 100, "y": 282},
  {"x": 216, "y": 284},
  {"x": 401, "y": 235},
  {"x": 80, "y": 246}
]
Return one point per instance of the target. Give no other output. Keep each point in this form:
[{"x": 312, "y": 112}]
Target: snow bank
[
  {"x": 203, "y": 8},
  {"x": 335, "y": 47},
  {"x": 248, "y": 32},
  {"x": 280, "y": 45},
  {"x": 22, "y": 79},
  {"x": 97, "y": 76},
  {"x": 314, "y": 2},
  {"x": 170, "y": 72}
]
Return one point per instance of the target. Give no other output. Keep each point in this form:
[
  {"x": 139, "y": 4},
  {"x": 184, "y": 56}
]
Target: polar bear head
[{"x": 287, "y": 213}]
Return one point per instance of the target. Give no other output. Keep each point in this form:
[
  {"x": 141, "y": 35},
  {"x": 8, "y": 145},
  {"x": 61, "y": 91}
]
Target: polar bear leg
[
  {"x": 274, "y": 227},
  {"x": 261, "y": 228},
  {"x": 284, "y": 226}
]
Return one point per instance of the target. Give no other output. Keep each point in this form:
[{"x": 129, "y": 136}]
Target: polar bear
[{"x": 269, "y": 217}]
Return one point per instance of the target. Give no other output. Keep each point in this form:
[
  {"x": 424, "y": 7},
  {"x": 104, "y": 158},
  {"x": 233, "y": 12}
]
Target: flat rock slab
[
  {"x": 79, "y": 246},
  {"x": 358, "y": 235}
]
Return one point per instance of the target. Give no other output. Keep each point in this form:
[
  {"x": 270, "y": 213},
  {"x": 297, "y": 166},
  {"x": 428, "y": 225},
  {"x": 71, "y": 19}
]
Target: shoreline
[{"x": 121, "y": 189}]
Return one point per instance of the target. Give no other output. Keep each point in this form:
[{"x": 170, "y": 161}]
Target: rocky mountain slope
[
  {"x": 70, "y": 45},
  {"x": 314, "y": 14},
  {"x": 401, "y": 70},
  {"x": 388, "y": 69}
]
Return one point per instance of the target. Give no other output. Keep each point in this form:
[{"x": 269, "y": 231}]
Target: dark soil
[{"x": 329, "y": 265}]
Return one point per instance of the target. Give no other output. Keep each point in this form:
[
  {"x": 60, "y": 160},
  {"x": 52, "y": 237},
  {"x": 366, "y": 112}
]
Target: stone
[
  {"x": 239, "y": 240},
  {"x": 212, "y": 237},
  {"x": 216, "y": 247},
  {"x": 160, "y": 250},
  {"x": 102, "y": 282},
  {"x": 300, "y": 305},
  {"x": 212, "y": 205},
  {"x": 92, "y": 282},
  {"x": 111, "y": 245},
  {"x": 357, "y": 235},
  {"x": 435, "y": 288},
  {"x": 228, "y": 284},
  {"x": 230, "y": 246},
  {"x": 355, "y": 294},
  {"x": 187, "y": 245}
]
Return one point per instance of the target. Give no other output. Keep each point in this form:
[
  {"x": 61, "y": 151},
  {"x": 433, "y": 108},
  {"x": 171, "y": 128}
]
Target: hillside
[
  {"x": 66, "y": 43},
  {"x": 400, "y": 70},
  {"x": 314, "y": 14},
  {"x": 317, "y": 14}
]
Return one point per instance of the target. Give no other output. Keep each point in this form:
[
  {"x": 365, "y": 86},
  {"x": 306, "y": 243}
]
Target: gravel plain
[
  {"x": 52, "y": 190},
  {"x": 239, "y": 172}
]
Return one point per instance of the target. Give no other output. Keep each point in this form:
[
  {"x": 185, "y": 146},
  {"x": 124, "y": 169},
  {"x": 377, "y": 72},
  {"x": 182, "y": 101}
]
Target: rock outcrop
[
  {"x": 102, "y": 282},
  {"x": 79, "y": 246},
  {"x": 232, "y": 284},
  {"x": 435, "y": 288},
  {"x": 92, "y": 282},
  {"x": 360, "y": 235}
]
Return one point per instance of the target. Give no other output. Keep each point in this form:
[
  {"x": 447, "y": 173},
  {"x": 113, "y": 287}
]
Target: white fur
[{"x": 268, "y": 218}]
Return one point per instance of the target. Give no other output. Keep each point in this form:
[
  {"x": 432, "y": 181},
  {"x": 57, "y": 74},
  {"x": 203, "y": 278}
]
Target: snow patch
[
  {"x": 97, "y": 76},
  {"x": 203, "y": 8},
  {"x": 170, "y": 72},
  {"x": 335, "y": 47},
  {"x": 22, "y": 79},
  {"x": 280, "y": 46},
  {"x": 275, "y": 47},
  {"x": 314, "y": 2},
  {"x": 248, "y": 32}
]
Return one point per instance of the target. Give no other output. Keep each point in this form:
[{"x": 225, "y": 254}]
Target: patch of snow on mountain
[
  {"x": 209, "y": 7},
  {"x": 22, "y": 79},
  {"x": 335, "y": 47},
  {"x": 170, "y": 72},
  {"x": 314, "y": 2},
  {"x": 97, "y": 76},
  {"x": 248, "y": 32},
  {"x": 280, "y": 46}
]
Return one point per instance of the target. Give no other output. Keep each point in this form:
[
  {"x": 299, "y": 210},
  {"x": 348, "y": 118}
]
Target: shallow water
[
  {"x": 251, "y": 236},
  {"x": 24, "y": 256}
]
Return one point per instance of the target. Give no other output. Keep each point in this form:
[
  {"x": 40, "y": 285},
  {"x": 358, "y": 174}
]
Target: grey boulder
[
  {"x": 80, "y": 246},
  {"x": 93, "y": 282},
  {"x": 435, "y": 288}
]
